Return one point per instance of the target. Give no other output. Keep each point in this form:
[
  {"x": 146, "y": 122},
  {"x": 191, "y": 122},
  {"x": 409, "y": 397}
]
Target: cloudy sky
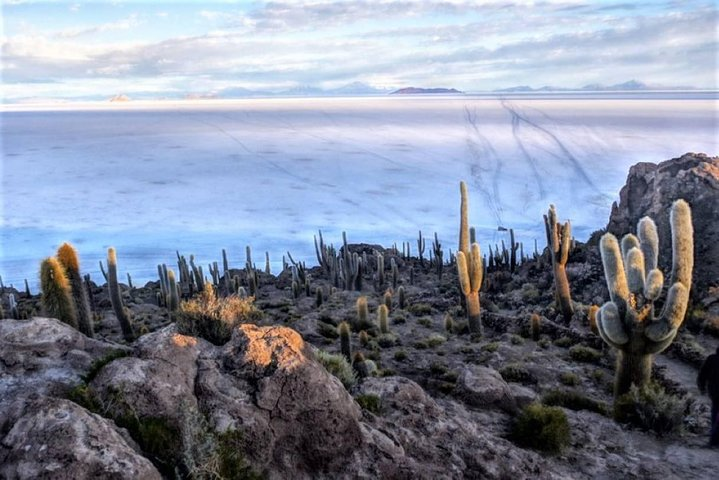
[{"x": 80, "y": 49}]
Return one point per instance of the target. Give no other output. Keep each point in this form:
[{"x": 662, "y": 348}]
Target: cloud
[{"x": 468, "y": 45}]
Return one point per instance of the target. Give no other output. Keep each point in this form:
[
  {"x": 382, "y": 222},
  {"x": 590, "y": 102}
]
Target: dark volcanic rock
[{"x": 651, "y": 189}]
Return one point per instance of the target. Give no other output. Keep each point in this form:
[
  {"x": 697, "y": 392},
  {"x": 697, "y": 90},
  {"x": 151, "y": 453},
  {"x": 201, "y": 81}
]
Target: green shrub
[
  {"x": 574, "y": 401},
  {"x": 542, "y": 428},
  {"x": 491, "y": 347},
  {"x": 568, "y": 378},
  {"x": 400, "y": 355},
  {"x": 515, "y": 372},
  {"x": 327, "y": 330},
  {"x": 419, "y": 309},
  {"x": 652, "y": 408},
  {"x": 98, "y": 364},
  {"x": 435, "y": 340},
  {"x": 338, "y": 366},
  {"x": 564, "y": 342},
  {"x": 387, "y": 340},
  {"x": 544, "y": 343},
  {"x": 580, "y": 353},
  {"x": 438, "y": 368},
  {"x": 213, "y": 318},
  {"x": 425, "y": 321},
  {"x": 516, "y": 339},
  {"x": 369, "y": 402}
]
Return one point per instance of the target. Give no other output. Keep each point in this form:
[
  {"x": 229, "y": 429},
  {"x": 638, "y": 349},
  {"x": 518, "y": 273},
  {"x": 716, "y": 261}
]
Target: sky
[{"x": 60, "y": 49}]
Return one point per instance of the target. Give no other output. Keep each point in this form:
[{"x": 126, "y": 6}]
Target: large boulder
[
  {"x": 44, "y": 355},
  {"x": 484, "y": 387},
  {"x": 296, "y": 419},
  {"x": 651, "y": 189},
  {"x": 52, "y": 438}
]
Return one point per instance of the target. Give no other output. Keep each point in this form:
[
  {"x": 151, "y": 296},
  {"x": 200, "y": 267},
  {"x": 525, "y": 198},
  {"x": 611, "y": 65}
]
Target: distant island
[
  {"x": 423, "y": 91},
  {"x": 630, "y": 86}
]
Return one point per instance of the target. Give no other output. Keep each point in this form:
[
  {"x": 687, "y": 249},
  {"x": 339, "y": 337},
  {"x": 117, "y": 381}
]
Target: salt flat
[{"x": 152, "y": 178}]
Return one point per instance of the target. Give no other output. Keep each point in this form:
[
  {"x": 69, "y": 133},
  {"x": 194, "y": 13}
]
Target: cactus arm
[
  {"x": 614, "y": 271},
  {"x": 658, "y": 347},
  {"x": 653, "y": 284},
  {"x": 462, "y": 270},
  {"x": 672, "y": 316},
  {"x": 476, "y": 267},
  {"x": 649, "y": 241},
  {"x": 566, "y": 240},
  {"x": 680, "y": 219},
  {"x": 635, "y": 270},
  {"x": 463, "y": 219},
  {"x": 628, "y": 242},
  {"x": 610, "y": 325}
]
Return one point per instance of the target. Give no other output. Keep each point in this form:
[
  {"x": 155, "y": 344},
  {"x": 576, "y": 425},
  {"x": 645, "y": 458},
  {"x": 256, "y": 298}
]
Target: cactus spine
[
  {"x": 56, "y": 298},
  {"x": 628, "y": 321},
  {"x": 558, "y": 240},
  {"x": 67, "y": 256},
  {"x": 116, "y": 297}
]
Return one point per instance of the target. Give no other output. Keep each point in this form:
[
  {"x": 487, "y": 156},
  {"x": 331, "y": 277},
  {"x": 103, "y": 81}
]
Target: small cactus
[
  {"x": 382, "y": 314},
  {"x": 173, "y": 297},
  {"x": 363, "y": 338},
  {"x": 628, "y": 322},
  {"x": 387, "y": 299},
  {"x": 116, "y": 298},
  {"x": 402, "y": 298},
  {"x": 362, "y": 312},
  {"x": 536, "y": 324},
  {"x": 318, "y": 297},
  {"x": 592, "y": 317},
  {"x": 345, "y": 345},
  {"x": 67, "y": 256},
  {"x": 56, "y": 298},
  {"x": 448, "y": 323}
]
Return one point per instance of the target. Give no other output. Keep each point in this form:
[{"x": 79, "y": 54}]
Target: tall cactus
[
  {"x": 56, "y": 298},
  {"x": 628, "y": 321},
  {"x": 116, "y": 297},
  {"x": 558, "y": 240},
  {"x": 469, "y": 265},
  {"x": 470, "y": 272},
  {"x": 67, "y": 256}
]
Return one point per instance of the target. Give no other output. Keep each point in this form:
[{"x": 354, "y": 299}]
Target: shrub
[
  {"x": 435, "y": 340},
  {"x": 515, "y": 372},
  {"x": 542, "y": 428},
  {"x": 491, "y": 347},
  {"x": 564, "y": 342},
  {"x": 651, "y": 408},
  {"x": 338, "y": 366},
  {"x": 544, "y": 343},
  {"x": 515, "y": 339},
  {"x": 369, "y": 402},
  {"x": 387, "y": 340},
  {"x": 400, "y": 355},
  {"x": 327, "y": 330},
  {"x": 568, "y": 378},
  {"x": 425, "y": 322},
  {"x": 580, "y": 353},
  {"x": 213, "y": 318},
  {"x": 574, "y": 401},
  {"x": 418, "y": 309}
]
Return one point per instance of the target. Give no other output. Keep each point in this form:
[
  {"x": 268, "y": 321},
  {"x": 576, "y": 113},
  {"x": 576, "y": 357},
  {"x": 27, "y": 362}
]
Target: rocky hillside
[{"x": 427, "y": 400}]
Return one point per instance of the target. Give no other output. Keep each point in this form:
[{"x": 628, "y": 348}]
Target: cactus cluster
[{"x": 628, "y": 321}]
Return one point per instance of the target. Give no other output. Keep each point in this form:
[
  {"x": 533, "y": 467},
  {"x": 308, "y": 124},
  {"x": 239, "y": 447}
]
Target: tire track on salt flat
[
  {"x": 482, "y": 150},
  {"x": 567, "y": 155}
]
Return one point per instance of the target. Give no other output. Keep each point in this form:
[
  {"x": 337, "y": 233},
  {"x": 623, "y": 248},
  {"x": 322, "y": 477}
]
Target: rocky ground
[{"x": 441, "y": 403}]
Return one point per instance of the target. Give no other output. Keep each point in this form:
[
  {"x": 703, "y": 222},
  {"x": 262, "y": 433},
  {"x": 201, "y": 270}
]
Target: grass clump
[
  {"x": 542, "y": 428},
  {"x": 574, "y": 401},
  {"x": 491, "y": 347},
  {"x": 338, "y": 366},
  {"x": 564, "y": 342},
  {"x": 569, "y": 379},
  {"x": 652, "y": 408},
  {"x": 213, "y": 318},
  {"x": 515, "y": 372},
  {"x": 98, "y": 364},
  {"x": 435, "y": 340},
  {"x": 400, "y": 355},
  {"x": 580, "y": 353},
  {"x": 419, "y": 309},
  {"x": 369, "y": 402}
]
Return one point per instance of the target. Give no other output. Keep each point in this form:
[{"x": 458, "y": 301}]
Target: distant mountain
[
  {"x": 630, "y": 86},
  {"x": 356, "y": 88},
  {"x": 120, "y": 98},
  {"x": 423, "y": 91}
]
